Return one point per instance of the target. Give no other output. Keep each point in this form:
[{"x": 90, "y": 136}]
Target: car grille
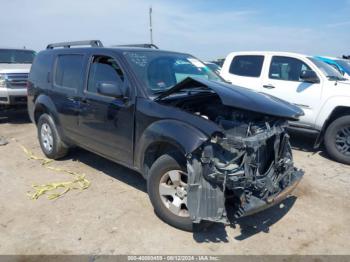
[{"x": 16, "y": 80}]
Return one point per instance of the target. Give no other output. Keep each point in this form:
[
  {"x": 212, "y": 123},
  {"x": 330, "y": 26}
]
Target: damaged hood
[{"x": 240, "y": 97}]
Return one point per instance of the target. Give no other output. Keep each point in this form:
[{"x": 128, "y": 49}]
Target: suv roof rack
[
  {"x": 92, "y": 43},
  {"x": 139, "y": 45}
]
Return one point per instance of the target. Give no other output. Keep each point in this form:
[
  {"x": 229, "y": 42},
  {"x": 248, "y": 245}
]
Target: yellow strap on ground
[
  {"x": 30, "y": 154},
  {"x": 79, "y": 181}
]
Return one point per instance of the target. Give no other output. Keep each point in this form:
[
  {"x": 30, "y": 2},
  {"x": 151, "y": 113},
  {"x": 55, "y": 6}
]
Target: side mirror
[
  {"x": 110, "y": 88},
  {"x": 309, "y": 76}
]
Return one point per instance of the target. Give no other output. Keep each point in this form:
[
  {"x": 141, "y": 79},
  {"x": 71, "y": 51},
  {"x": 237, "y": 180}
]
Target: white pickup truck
[
  {"x": 320, "y": 90},
  {"x": 14, "y": 69}
]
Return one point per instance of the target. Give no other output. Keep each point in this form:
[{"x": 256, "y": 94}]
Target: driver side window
[
  {"x": 104, "y": 69},
  {"x": 286, "y": 68}
]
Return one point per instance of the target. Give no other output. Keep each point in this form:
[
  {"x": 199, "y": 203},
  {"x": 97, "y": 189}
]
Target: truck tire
[
  {"x": 50, "y": 141},
  {"x": 166, "y": 189},
  {"x": 337, "y": 140}
]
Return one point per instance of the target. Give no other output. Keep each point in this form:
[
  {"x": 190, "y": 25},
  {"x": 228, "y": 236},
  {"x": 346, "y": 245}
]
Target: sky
[{"x": 204, "y": 28}]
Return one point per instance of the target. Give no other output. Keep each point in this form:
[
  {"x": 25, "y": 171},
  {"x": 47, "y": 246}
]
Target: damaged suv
[{"x": 202, "y": 145}]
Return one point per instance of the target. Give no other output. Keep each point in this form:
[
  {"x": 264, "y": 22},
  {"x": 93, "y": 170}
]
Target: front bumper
[
  {"x": 263, "y": 176},
  {"x": 13, "y": 96},
  {"x": 257, "y": 205}
]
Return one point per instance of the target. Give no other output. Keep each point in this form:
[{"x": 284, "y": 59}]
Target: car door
[
  {"x": 283, "y": 81},
  {"x": 245, "y": 71},
  {"x": 67, "y": 81},
  {"x": 107, "y": 123}
]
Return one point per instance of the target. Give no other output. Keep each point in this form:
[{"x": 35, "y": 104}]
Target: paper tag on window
[{"x": 196, "y": 62}]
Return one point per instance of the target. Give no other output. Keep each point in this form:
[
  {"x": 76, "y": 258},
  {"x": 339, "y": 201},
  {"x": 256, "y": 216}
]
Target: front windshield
[
  {"x": 13, "y": 56},
  {"x": 162, "y": 70},
  {"x": 327, "y": 70},
  {"x": 345, "y": 65}
]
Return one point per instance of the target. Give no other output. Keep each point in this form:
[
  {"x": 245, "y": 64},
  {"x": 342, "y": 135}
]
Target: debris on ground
[
  {"x": 50, "y": 189},
  {"x": 3, "y": 141}
]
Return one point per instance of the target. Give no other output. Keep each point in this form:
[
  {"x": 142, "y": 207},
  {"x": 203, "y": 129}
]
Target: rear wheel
[
  {"x": 337, "y": 139},
  {"x": 49, "y": 138},
  {"x": 167, "y": 189}
]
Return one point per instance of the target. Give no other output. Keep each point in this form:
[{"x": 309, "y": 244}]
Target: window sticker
[{"x": 138, "y": 59}]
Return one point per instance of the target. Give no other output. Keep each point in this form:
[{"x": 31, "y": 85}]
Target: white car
[
  {"x": 14, "y": 70},
  {"x": 320, "y": 90}
]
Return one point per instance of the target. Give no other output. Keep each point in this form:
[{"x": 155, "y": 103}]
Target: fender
[
  {"x": 179, "y": 134},
  {"x": 325, "y": 113},
  {"x": 328, "y": 107},
  {"x": 45, "y": 102}
]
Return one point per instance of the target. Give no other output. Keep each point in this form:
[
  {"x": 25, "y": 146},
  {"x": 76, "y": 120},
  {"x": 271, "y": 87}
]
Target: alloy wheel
[
  {"x": 46, "y": 137},
  {"x": 173, "y": 192}
]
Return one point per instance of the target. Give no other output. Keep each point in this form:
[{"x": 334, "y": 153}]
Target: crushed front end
[{"x": 249, "y": 166}]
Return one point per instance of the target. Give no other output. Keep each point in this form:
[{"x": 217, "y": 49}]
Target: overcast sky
[{"x": 207, "y": 29}]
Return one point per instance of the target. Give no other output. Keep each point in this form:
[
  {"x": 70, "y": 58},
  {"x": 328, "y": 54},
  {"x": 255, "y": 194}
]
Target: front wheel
[
  {"x": 337, "y": 140},
  {"x": 167, "y": 189}
]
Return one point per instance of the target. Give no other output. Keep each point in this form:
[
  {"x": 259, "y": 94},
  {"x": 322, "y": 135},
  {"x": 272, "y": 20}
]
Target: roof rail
[
  {"x": 139, "y": 45},
  {"x": 92, "y": 43}
]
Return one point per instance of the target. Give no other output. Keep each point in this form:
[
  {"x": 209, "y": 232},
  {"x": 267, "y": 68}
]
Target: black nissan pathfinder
[{"x": 201, "y": 143}]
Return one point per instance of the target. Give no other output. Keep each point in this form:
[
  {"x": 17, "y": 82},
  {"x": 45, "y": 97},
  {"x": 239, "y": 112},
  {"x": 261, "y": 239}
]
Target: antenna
[{"x": 150, "y": 24}]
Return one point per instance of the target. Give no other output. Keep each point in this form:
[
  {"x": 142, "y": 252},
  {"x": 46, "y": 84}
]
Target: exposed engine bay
[{"x": 247, "y": 165}]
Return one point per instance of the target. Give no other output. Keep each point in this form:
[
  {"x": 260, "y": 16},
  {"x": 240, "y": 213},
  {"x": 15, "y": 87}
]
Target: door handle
[{"x": 268, "y": 86}]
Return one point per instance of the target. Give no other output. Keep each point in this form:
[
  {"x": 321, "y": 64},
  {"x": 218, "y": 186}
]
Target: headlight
[{"x": 2, "y": 80}]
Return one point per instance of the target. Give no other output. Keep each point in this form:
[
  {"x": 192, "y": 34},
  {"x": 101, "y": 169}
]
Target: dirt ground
[{"x": 115, "y": 216}]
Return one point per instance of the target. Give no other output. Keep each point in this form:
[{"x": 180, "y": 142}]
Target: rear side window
[
  {"x": 247, "y": 65},
  {"x": 68, "y": 72},
  {"x": 41, "y": 68}
]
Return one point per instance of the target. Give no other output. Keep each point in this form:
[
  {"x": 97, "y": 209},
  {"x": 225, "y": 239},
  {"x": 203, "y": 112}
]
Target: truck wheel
[
  {"x": 49, "y": 138},
  {"x": 167, "y": 190},
  {"x": 337, "y": 139}
]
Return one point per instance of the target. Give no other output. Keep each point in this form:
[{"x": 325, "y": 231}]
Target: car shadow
[
  {"x": 262, "y": 221},
  {"x": 305, "y": 143},
  {"x": 249, "y": 226},
  {"x": 116, "y": 171},
  {"x": 14, "y": 115}
]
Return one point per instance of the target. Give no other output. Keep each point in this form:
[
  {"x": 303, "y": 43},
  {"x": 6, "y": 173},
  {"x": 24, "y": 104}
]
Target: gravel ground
[{"x": 114, "y": 216}]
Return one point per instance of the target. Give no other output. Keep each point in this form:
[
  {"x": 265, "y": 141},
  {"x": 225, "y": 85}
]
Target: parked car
[
  {"x": 320, "y": 90},
  {"x": 199, "y": 142},
  {"x": 14, "y": 69},
  {"x": 342, "y": 65}
]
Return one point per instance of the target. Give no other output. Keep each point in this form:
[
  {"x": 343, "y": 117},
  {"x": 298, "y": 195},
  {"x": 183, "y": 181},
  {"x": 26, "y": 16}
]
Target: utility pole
[{"x": 150, "y": 24}]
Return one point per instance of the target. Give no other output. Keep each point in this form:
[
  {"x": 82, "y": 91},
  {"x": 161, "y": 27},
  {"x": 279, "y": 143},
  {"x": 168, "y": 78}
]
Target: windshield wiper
[{"x": 158, "y": 92}]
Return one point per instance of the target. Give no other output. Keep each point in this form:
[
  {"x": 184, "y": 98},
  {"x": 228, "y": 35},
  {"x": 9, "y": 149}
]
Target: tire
[
  {"x": 56, "y": 148},
  {"x": 159, "y": 169},
  {"x": 337, "y": 140}
]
